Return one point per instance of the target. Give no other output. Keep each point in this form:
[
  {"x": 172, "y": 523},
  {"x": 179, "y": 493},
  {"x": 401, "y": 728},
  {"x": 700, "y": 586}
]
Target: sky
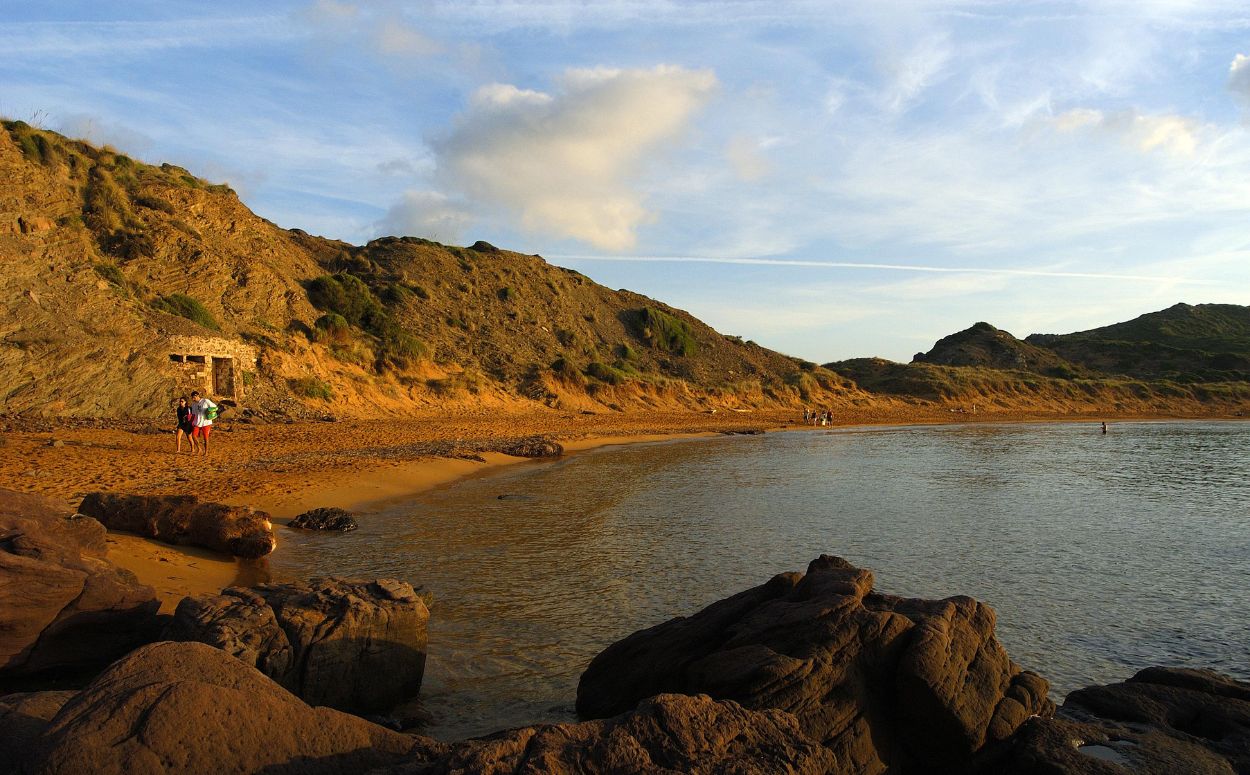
[{"x": 831, "y": 180}]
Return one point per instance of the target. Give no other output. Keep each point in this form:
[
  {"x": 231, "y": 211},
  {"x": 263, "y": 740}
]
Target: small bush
[
  {"x": 664, "y": 331},
  {"x": 154, "y": 203},
  {"x": 187, "y": 307},
  {"x": 249, "y": 378},
  {"x": 128, "y": 244},
  {"x": 347, "y": 295},
  {"x": 106, "y": 208},
  {"x": 332, "y": 327},
  {"x": 113, "y": 274},
  {"x": 605, "y": 373},
  {"x": 506, "y": 293},
  {"x": 311, "y": 387}
]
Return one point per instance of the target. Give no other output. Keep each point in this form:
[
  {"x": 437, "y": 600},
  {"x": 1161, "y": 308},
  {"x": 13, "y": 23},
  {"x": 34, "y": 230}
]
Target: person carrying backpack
[{"x": 203, "y": 412}]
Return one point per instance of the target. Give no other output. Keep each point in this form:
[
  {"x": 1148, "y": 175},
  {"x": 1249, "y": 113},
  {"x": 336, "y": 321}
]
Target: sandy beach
[{"x": 285, "y": 469}]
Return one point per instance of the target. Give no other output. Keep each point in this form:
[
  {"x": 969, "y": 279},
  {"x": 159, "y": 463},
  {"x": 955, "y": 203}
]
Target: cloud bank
[{"x": 564, "y": 162}]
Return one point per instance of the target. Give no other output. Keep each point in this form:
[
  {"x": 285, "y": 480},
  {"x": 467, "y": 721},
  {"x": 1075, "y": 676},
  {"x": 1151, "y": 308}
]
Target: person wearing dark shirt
[{"x": 184, "y": 424}]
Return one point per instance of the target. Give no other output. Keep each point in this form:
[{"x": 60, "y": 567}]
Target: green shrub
[
  {"x": 347, "y": 295},
  {"x": 106, "y": 208},
  {"x": 154, "y": 203},
  {"x": 664, "y": 331},
  {"x": 187, "y": 307},
  {"x": 113, "y": 274},
  {"x": 249, "y": 378},
  {"x": 332, "y": 327},
  {"x": 128, "y": 244},
  {"x": 605, "y": 373},
  {"x": 311, "y": 387},
  {"x": 506, "y": 293}
]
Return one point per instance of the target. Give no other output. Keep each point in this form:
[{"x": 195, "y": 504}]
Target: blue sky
[{"x": 829, "y": 179}]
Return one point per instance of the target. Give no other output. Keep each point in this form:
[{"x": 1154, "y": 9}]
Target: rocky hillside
[
  {"x": 1185, "y": 343},
  {"x": 984, "y": 345},
  {"x": 112, "y": 268}
]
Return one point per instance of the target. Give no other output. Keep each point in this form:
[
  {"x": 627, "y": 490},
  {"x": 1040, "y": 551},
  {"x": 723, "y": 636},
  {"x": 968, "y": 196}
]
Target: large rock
[
  {"x": 23, "y": 718},
  {"x": 887, "y": 683},
  {"x": 188, "y": 708},
  {"x": 184, "y": 520},
  {"x": 354, "y": 645},
  {"x": 64, "y": 607},
  {"x": 670, "y": 733},
  {"x": 1160, "y": 722}
]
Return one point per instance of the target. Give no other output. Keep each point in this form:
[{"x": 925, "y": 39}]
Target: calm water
[{"x": 1101, "y": 554}]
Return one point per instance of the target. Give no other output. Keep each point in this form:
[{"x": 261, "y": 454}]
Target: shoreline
[{"x": 358, "y": 477}]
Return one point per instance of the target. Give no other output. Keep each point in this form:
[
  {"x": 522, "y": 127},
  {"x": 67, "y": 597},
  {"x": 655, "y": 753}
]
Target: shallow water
[{"x": 1101, "y": 554}]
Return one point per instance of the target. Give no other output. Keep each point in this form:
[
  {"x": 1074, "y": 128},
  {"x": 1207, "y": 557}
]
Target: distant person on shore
[
  {"x": 185, "y": 424},
  {"x": 202, "y": 413}
]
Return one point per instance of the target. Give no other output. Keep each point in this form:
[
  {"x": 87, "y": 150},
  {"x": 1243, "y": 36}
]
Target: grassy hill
[
  {"x": 1200, "y": 343},
  {"x": 103, "y": 258},
  {"x": 986, "y": 346}
]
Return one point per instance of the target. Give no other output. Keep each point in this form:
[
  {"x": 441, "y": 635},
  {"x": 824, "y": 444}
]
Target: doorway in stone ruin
[{"x": 223, "y": 377}]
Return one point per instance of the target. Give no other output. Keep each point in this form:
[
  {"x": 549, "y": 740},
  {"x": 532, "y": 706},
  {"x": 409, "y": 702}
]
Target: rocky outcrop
[
  {"x": 63, "y": 606},
  {"x": 1161, "y": 721},
  {"x": 188, "y": 708},
  {"x": 886, "y": 683},
  {"x": 184, "y": 520},
  {"x": 324, "y": 519},
  {"x": 353, "y": 645},
  {"x": 666, "y": 734},
  {"x": 23, "y": 718}
]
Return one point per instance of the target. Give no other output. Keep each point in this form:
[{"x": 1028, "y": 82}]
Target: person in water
[
  {"x": 1104, "y": 427},
  {"x": 184, "y": 426}
]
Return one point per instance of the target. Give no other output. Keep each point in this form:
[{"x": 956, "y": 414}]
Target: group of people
[
  {"x": 195, "y": 421},
  {"x": 817, "y": 417}
]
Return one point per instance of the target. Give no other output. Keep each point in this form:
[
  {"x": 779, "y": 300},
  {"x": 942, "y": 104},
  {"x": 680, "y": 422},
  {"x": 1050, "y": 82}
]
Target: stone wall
[{"x": 211, "y": 365}]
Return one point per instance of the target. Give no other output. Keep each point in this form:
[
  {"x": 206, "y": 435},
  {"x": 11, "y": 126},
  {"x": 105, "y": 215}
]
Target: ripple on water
[{"x": 1101, "y": 554}]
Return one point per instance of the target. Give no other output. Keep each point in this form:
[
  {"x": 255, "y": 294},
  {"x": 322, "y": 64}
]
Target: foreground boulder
[
  {"x": 1161, "y": 721},
  {"x": 324, "y": 519},
  {"x": 666, "y": 734},
  {"x": 183, "y": 520},
  {"x": 189, "y": 708},
  {"x": 886, "y": 683},
  {"x": 63, "y": 606},
  {"x": 23, "y": 718},
  {"x": 358, "y": 646}
]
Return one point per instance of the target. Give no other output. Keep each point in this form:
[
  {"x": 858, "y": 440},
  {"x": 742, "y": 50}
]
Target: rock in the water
[
  {"x": 886, "y": 683},
  {"x": 353, "y": 645},
  {"x": 188, "y": 708},
  {"x": 534, "y": 446},
  {"x": 1162, "y": 721},
  {"x": 324, "y": 519},
  {"x": 63, "y": 606},
  {"x": 184, "y": 520},
  {"x": 666, "y": 734}
]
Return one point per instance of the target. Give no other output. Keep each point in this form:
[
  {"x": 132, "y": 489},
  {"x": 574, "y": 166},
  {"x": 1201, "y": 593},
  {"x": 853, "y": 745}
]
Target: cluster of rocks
[
  {"x": 807, "y": 673},
  {"x": 324, "y": 519}
]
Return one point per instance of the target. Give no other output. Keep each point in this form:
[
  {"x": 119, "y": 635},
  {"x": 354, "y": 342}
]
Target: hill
[
  {"x": 986, "y": 346},
  {"x": 1184, "y": 343},
  {"x": 123, "y": 284}
]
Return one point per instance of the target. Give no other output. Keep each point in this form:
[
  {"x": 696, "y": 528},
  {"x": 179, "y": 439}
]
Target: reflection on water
[{"x": 1101, "y": 554}]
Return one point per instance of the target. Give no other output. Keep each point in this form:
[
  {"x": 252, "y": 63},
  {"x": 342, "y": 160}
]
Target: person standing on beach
[
  {"x": 185, "y": 424},
  {"x": 202, "y": 413}
]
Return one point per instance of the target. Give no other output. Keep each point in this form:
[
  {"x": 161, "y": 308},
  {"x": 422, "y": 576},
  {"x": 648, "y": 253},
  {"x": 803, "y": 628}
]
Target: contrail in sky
[{"x": 891, "y": 267}]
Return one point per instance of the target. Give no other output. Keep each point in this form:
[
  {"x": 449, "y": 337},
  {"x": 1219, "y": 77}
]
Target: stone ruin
[{"x": 212, "y": 365}]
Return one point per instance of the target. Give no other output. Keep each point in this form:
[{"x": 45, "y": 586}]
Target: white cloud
[
  {"x": 564, "y": 162},
  {"x": 1239, "y": 77},
  {"x": 1167, "y": 132},
  {"x": 426, "y": 214},
  {"x": 382, "y": 29}
]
